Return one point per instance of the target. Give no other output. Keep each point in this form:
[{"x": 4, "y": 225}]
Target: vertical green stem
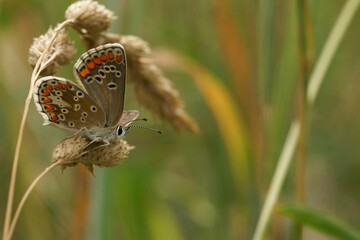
[
  {"x": 305, "y": 53},
  {"x": 264, "y": 43},
  {"x": 316, "y": 78}
]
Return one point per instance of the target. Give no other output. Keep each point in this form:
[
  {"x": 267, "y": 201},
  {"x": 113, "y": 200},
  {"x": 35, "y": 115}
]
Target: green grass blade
[
  {"x": 278, "y": 179},
  {"x": 332, "y": 43},
  {"x": 320, "y": 221}
]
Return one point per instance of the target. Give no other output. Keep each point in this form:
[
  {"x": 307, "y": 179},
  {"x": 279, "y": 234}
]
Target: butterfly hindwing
[
  {"x": 65, "y": 105},
  {"x": 128, "y": 117}
]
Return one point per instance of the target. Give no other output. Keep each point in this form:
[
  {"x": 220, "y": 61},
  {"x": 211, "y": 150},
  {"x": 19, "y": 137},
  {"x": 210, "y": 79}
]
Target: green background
[{"x": 186, "y": 186}]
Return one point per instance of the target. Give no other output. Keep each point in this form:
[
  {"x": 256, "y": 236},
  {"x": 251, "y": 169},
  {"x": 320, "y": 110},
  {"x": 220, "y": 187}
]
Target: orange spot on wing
[
  {"x": 48, "y": 87},
  {"x": 54, "y": 117},
  {"x": 84, "y": 72},
  {"x": 97, "y": 61},
  {"x": 46, "y": 93},
  {"x": 103, "y": 57},
  {"x": 119, "y": 58},
  {"x": 49, "y": 108},
  {"x": 90, "y": 65},
  {"x": 59, "y": 86},
  {"x": 68, "y": 85},
  {"x": 47, "y": 100},
  {"x": 110, "y": 56}
]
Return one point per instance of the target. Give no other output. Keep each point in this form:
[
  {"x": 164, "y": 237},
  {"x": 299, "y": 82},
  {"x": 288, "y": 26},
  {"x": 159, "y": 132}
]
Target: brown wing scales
[
  {"x": 66, "y": 105},
  {"x": 102, "y": 72}
]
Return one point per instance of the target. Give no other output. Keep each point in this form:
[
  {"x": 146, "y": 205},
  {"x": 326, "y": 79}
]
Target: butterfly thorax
[
  {"x": 107, "y": 134},
  {"x": 100, "y": 134}
]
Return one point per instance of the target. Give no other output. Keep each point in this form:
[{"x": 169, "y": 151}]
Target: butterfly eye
[{"x": 120, "y": 132}]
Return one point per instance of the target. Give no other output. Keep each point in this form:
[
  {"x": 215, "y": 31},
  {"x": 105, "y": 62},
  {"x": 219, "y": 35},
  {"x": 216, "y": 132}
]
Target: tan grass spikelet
[
  {"x": 74, "y": 150},
  {"x": 90, "y": 17},
  {"x": 61, "y": 52},
  {"x": 152, "y": 88}
]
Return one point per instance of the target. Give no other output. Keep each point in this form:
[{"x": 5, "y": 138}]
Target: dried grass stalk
[{"x": 60, "y": 53}]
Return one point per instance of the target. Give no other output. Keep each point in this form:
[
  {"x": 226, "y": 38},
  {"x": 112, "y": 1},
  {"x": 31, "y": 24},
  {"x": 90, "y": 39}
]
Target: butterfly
[{"x": 95, "y": 107}]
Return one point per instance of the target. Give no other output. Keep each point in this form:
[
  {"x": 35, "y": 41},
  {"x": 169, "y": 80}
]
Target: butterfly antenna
[
  {"x": 141, "y": 119},
  {"x": 143, "y": 127}
]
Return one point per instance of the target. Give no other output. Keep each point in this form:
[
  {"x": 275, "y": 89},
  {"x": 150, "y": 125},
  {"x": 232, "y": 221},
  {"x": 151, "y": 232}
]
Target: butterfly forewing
[
  {"x": 65, "y": 105},
  {"x": 102, "y": 72}
]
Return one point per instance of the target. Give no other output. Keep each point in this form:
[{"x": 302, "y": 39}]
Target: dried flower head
[
  {"x": 90, "y": 16},
  {"x": 152, "y": 88},
  {"x": 61, "y": 51},
  {"x": 76, "y": 149}
]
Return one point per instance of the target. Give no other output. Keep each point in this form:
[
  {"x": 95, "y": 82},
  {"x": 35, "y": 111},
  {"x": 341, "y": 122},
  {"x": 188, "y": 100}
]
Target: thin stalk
[
  {"x": 331, "y": 45},
  {"x": 305, "y": 59},
  {"x": 25, "y": 197},
  {"x": 278, "y": 179},
  {"x": 300, "y": 159},
  {"x": 35, "y": 74},
  {"x": 316, "y": 78}
]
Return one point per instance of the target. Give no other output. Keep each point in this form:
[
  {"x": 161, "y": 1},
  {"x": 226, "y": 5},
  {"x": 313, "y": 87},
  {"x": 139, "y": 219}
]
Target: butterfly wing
[
  {"x": 128, "y": 117},
  {"x": 102, "y": 72},
  {"x": 65, "y": 105}
]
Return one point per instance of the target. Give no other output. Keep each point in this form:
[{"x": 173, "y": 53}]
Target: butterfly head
[{"x": 121, "y": 132}]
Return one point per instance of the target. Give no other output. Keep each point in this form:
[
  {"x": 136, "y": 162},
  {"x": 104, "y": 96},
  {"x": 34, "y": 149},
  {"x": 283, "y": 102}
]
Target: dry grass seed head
[
  {"x": 90, "y": 16},
  {"x": 152, "y": 88},
  {"x": 75, "y": 149},
  {"x": 60, "y": 53}
]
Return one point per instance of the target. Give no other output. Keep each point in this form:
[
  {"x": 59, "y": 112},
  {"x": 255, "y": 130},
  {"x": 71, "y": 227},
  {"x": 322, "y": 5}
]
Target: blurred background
[{"x": 243, "y": 67}]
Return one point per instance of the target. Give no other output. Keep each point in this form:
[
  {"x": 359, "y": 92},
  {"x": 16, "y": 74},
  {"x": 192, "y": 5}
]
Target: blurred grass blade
[
  {"x": 319, "y": 221},
  {"x": 226, "y": 113},
  {"x": 331, "y": 45},
  {"x": 80, "y": 206},
  {"x": 235, "y": 55},
  {"x": 233, "y": 46},
  {"x": 235, "y": 52},
  {"x": 266, "y": 63},
  {"x": 277, "y": 180},
  {"x": 305, "y": 38}
]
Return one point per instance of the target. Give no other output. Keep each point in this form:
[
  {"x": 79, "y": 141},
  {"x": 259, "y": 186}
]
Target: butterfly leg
[
  {"x": 97, "y": 140},
  {"x": 85, "y": 132},
  {"x": 89, "y": 148},
  {"x": 93, "y": 139}
]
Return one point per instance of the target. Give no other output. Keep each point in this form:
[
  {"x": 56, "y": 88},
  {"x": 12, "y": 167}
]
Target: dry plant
[{"x": 152, "y": 89}]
